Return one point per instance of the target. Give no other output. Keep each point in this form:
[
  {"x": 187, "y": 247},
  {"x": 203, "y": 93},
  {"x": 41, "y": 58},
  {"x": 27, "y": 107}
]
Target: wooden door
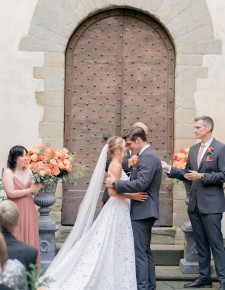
[{"x": 119, "y": 70}]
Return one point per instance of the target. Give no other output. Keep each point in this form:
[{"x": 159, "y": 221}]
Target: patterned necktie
[{"x": 200, "y": 154}]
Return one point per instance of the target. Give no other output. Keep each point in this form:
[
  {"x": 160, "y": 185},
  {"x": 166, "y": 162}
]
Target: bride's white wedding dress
[{"x": 103, "y": 258}]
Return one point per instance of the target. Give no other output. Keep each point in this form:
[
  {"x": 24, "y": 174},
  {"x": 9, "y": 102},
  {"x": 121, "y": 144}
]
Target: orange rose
[
  {"x": 69, "y": 167},
  {"x": 133, "y": 160},
  {"x": 61, "y": 165},
  {"x": 66, "y": 162},
  {"x": 34, "y": 157},
  {"x": 55, "y": 170},
  {"x": 36, "y": 150},
  {"x": 42, "y": 173},
  {"x": 65, "y": 150}
]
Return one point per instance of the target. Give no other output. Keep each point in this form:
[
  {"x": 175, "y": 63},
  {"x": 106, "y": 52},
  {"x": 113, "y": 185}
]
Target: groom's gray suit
[{"x": 145, "y": 177}]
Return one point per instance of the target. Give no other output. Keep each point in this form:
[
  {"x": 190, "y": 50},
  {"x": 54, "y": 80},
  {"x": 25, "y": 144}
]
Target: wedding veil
[{"x": 86, "y": 210}]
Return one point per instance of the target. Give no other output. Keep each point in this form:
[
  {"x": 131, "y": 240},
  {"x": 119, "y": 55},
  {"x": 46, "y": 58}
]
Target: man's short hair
[
  {"x": 137, "y": 132},
  {"x": 206, "y": 120},
  {"x": 9, "y": 215}
]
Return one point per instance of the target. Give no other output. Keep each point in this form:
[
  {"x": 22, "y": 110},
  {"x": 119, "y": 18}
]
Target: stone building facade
[{"x": 34, "y": 40}]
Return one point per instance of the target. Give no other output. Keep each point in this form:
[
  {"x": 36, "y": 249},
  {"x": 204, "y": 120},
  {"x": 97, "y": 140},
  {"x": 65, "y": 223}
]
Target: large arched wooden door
[{"x": 119, "y": 70}]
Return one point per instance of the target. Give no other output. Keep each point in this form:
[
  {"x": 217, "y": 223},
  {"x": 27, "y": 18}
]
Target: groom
[{"x": 146, "y": 177}]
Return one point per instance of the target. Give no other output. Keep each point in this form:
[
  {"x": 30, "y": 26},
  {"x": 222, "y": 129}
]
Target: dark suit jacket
[
  {"x": 126, "y": 169},
  {"x": 208, "y": 194},
  {"x": 25, "y": 253},
  {"x": 147, "y": 178}
]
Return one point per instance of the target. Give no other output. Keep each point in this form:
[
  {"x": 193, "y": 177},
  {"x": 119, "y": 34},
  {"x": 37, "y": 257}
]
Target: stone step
[
  {"x": 167, "y": 255},
  {"x": 173, "y": 273},
  {"x": 163, "y": 235}
]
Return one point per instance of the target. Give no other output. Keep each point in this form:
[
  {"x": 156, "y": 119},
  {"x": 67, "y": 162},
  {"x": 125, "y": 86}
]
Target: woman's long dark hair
[{"x": 14, "y": 153}]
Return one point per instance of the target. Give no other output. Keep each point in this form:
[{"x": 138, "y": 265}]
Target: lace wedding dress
[{"x": 103, "y": 258}]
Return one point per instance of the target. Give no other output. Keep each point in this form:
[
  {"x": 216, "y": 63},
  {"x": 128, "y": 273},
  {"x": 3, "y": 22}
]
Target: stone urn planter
[
  {"x": 189, "y": 264},
  {"x": 47, "y": 227}
]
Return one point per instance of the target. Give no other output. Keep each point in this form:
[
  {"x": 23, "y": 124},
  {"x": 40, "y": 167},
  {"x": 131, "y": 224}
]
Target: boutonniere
[
  {"x": 133, "y": 161},
  {"x": 210, "y": 150}
]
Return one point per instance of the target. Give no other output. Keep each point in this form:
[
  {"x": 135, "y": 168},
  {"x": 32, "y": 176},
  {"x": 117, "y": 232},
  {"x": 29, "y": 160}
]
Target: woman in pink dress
[{"x": 18, "y": 185}]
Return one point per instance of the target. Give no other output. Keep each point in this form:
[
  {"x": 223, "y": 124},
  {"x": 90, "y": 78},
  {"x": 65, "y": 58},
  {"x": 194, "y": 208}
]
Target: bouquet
[
  {"x": 48, "y": 164},
  {"x": 180, "y": 159}
]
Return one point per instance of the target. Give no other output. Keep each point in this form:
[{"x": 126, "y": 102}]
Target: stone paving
[
  {"x": 167, "y": 285},
  {"x": 170, "y": 277}
]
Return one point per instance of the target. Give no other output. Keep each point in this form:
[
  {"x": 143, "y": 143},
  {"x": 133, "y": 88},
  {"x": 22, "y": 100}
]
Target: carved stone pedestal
[
  {"x": 47, "y": 227},
  {"x": 189, "y": 264}
]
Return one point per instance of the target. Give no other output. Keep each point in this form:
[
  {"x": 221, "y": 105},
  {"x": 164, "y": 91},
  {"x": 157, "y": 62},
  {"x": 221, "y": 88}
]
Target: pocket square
[{"x": 209, "y": 158}]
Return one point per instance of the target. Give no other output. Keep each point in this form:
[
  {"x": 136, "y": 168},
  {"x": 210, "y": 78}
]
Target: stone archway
[{"x": 119, "y": 69}]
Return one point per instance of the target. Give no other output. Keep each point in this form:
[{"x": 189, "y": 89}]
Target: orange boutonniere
[
  {"x": 134, "y": 160},
  {"x": 210, "y": 150}
]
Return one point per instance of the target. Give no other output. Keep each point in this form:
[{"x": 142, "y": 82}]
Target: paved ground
[
  {"x": 167, "y": 285},
  {"x": 171, "y": 278}
]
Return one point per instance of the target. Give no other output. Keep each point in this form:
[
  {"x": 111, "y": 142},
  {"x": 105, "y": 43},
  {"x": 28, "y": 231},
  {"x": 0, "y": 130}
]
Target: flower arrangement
[
  {"x": 180, "y": 159},
  {"x": 48, "y": 164}
]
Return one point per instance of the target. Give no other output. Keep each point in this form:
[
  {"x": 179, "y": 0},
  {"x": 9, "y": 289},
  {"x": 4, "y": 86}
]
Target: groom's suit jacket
[
  {"x": 146, "y": 176},
  {"x": 208, "y": 194}
]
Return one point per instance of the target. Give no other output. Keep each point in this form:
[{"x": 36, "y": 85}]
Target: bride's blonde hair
[{"x": 114, "y": 143}]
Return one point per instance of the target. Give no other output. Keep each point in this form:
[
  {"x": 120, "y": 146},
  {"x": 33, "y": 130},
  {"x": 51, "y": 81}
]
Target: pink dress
[{"x": 27, "y": 230}]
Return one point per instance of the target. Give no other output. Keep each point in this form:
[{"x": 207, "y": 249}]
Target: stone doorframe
[{"x": 187, "y": 22}]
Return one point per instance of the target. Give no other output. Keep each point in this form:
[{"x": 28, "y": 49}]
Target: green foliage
[
  {"x": 77, "y": 172},
  {"x": 1, "y": 184},
  {"x": 36, "y": 279},
  {"x": 2, "y": 197}
]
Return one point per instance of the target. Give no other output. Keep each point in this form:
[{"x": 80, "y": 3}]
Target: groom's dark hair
[{"x": 137, "y": 132}]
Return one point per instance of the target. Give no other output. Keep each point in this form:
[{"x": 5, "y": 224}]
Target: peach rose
[
  {"x": 35, "y": 150},
  {"x": 66, "y": 162},
  {"x": 42, "y": 172},
  {"x": 34, "y": 157},
  {"x": 55, "y": 170}
]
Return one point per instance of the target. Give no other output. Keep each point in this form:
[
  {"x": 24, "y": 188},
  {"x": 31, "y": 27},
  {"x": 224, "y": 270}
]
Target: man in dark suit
[
  {"x": 26, "y": 254},
  {"x": 206, "y": 169},
  {"x": 146, "y": 177},
  {"x": 23, "y": 252}
]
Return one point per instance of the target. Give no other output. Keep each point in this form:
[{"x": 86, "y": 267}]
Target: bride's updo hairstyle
[{"x": 114, "y": 143}]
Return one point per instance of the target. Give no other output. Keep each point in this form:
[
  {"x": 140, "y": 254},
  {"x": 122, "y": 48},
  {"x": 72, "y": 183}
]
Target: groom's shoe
[{"x": 199, "y": 283}]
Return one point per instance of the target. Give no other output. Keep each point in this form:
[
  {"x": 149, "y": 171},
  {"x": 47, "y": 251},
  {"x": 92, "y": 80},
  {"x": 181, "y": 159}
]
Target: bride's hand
[{"x": 140, "y": 196}]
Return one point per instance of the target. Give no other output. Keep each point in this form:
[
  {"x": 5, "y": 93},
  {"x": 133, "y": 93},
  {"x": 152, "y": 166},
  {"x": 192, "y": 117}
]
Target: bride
[{"x": 99, "y": 255}]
